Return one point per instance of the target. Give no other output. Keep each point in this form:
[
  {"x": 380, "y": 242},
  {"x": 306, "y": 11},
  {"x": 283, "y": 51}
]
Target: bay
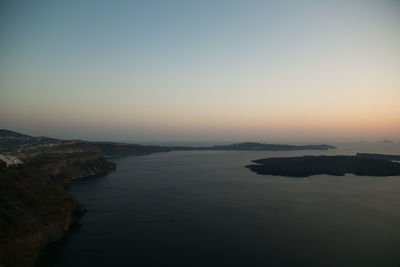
[{"x": 203, "y": 208}]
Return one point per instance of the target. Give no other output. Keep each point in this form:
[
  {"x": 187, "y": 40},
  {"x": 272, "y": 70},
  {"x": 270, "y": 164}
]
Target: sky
[{"x": 143, "y": 71}]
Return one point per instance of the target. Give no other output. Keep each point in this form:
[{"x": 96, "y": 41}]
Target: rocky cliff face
[
  {"x": 34, "y": 211},
  {"x": 62, "y": 167}
]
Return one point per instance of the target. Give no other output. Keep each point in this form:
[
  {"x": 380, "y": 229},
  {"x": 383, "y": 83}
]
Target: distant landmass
[
  {"x": 361, "y": 164},
  {"x": 269, "y": 147},
  {"x": 253, "y": 146},
  {"x": 20, "y": 143}
]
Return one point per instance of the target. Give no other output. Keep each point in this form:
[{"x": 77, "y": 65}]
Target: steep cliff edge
[
  {"x": 34, "y": 211},
  {"x": 62, "y": 167}
]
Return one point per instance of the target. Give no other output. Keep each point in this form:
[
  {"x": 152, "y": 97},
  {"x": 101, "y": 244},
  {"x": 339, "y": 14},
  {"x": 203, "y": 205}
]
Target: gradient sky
[{"x": 268, "y": 71}]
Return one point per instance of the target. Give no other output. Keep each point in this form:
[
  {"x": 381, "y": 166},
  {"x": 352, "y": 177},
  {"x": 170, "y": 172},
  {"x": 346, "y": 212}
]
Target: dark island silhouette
[
  {"x": 362, "y": 164},
  {"x": 252, "y": 146}
]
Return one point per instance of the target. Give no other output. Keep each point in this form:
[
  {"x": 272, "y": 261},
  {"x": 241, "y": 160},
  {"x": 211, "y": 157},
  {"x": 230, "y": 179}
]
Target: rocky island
[{"x": 360, "y": 164}]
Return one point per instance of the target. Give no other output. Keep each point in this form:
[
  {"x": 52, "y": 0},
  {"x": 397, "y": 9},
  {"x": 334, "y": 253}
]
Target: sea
[{"x": 204, "y": 208}]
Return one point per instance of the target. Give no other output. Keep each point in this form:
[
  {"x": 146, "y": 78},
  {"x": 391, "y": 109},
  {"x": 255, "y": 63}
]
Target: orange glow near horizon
[{"x": 260, "y": 71}]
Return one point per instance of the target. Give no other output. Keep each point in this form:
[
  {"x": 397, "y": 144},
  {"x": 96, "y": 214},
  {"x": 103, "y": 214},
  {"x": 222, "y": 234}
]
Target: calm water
[{"x": 203, "y": 208}]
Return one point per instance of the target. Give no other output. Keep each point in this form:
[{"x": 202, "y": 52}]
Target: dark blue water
[{"x": 203, "y": 208}]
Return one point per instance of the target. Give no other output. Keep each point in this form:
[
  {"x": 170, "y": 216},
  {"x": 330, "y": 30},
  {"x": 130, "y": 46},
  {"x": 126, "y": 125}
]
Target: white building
[{"x": 10, "y": 160}]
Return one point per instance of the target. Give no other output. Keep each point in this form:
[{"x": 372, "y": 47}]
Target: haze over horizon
[{"x": 144, "y": 71}]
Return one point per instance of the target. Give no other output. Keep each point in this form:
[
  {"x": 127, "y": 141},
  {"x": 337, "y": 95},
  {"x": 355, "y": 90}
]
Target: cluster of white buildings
[{"x": 10, "y": 160}]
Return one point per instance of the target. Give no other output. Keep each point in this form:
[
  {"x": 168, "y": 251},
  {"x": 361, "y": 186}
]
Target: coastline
[{"x": 35, "y": 208}]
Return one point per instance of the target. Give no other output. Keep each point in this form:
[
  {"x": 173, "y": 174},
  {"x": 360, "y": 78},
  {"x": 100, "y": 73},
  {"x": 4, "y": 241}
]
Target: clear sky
[{"x": 201, "y": 70}]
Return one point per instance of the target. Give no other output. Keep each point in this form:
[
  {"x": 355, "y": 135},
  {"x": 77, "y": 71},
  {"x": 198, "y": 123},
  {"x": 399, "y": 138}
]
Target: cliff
[
  {"x": 34, "y": 211},
  {"x": 62, "y": 167}
]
